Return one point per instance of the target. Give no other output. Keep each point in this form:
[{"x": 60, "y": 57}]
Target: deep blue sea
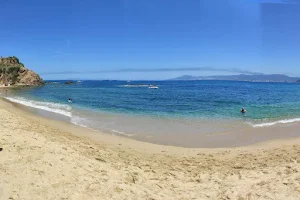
[{"x": 127, "y": 107}]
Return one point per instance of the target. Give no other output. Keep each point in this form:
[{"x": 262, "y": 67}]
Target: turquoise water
[{"x": 106, "y": 104}]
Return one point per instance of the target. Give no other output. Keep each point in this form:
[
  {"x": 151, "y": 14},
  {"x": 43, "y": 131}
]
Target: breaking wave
[
  {"x": 48, "y": 106},
  {"x": 285, "y": 121}
]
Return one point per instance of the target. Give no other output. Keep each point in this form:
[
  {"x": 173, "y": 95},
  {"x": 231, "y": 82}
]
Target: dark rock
[
  {"x": 69, "y": 82},
  {"x": 100, "y": 159}
]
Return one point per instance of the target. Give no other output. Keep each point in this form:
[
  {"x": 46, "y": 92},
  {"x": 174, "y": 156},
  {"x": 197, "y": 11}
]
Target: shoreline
[
  {"x": 62, "y": 123},
  {"x": 115, "y": 140},
  {"x": 237, "y": 135},
  {"x": 49, "y": 159}
]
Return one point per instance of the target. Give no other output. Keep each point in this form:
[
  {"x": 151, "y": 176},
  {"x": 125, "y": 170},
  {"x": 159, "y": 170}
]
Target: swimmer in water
[
  {"x": 70, "y": 100},
  {"x": 243, "y": 110}
]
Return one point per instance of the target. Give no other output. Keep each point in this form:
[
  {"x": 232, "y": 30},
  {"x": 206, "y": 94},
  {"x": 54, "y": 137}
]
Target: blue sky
[{"x": 136, "y": 39}]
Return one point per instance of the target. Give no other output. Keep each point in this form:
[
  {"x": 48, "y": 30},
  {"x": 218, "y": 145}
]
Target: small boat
[{"x": 153, "y": 87}]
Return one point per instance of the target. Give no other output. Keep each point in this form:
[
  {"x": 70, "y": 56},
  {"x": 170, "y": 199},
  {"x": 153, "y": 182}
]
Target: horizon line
[
  {"x": 169, "y": 79},
  {"x": 167, "y": 69}
]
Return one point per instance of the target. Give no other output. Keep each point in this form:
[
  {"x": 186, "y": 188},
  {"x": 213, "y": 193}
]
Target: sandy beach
[{"x": 47, "y": 159}]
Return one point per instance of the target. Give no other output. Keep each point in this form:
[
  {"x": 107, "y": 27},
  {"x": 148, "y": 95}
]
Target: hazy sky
[{"x": 151, "y": 39}]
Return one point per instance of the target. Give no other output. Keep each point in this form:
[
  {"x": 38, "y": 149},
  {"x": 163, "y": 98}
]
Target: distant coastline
[{"x": 242, "y": 77}]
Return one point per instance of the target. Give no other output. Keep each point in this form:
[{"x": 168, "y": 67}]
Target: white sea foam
[
  {"x": 64, "y": 109},
  {"x": 135, "y": 85},
  {"x": 121, "y": 133},
  {"x": 79, "y": 121},
  {"x": 285, "y": 121},
  {"x": 48, "y": 106}
]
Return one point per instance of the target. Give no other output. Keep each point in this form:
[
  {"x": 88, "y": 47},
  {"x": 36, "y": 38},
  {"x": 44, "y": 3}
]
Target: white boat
[{"x": 153, "y": 87}]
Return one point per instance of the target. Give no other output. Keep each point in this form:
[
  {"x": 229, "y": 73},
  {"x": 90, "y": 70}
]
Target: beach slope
[{"x": 42, "y": 160}]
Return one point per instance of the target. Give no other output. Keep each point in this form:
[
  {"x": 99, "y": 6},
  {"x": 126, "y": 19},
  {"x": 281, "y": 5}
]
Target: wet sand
[{"x": 49, "y": 159}]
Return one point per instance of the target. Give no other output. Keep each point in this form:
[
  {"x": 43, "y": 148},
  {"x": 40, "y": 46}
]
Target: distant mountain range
[{"x": 242, "y": 77}]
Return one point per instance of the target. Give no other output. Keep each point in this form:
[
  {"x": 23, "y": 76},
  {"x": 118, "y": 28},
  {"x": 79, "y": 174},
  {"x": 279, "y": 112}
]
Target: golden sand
[{"x": 44, "y": 159}]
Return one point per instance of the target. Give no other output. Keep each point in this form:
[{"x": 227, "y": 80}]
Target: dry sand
[{"x": 41, "y": 159}]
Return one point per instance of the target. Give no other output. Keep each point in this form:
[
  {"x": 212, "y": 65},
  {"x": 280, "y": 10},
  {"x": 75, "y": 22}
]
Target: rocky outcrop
[
  {"x": 15, "y": 73},
  {"x": 9, "y": 61},
  {"x": 70, "y": 82}
]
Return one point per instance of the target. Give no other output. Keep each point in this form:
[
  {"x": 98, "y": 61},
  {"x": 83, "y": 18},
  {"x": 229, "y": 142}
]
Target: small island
[
  {"x": 14, "y": 73},
  {"x": 69, "y": 82}
]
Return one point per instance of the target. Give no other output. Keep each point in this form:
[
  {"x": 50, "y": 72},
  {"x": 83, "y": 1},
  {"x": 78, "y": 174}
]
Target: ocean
[{"x": 134, "y": 110}]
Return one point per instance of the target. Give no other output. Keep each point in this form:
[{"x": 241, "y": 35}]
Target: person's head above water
[{"x": 243, "y": 110}]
